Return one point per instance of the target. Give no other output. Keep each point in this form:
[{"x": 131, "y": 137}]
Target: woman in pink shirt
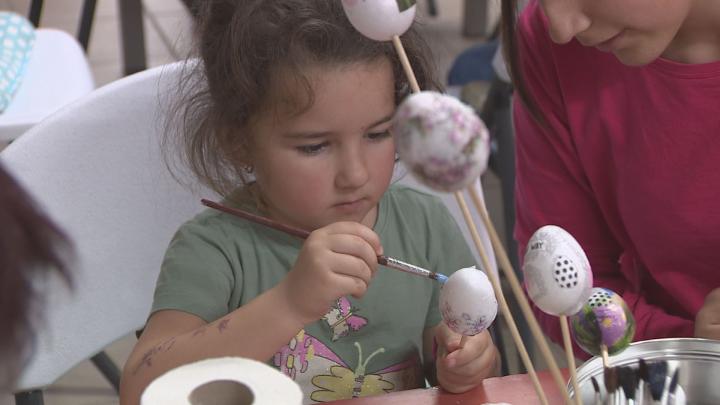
[{"x": 618, "y": 142}]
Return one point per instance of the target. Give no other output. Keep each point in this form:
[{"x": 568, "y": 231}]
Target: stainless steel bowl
[{"x": 698, "y": 360}]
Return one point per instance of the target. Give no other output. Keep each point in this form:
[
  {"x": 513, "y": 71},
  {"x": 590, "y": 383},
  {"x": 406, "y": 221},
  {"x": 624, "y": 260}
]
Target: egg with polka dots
[
  {"x": 604, "y": 320},
  {"x": 557, "y": 272}
]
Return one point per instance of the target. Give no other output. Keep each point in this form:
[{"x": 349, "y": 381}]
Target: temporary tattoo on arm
[
  {"x": 200, "y": 331},
  {"x": 148, "y": 356},
  {"x": 222, "y": 325}
]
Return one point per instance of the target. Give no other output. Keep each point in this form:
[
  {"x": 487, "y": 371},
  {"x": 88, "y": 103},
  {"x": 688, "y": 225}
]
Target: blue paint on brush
[{"x": 441, "y": 278}]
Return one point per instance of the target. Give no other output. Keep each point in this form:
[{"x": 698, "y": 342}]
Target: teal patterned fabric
[{"x": 17, "y": 36}]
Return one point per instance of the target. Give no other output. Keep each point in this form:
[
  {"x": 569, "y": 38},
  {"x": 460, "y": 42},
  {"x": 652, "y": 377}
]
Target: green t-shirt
[{"x": 217, "y": 262}]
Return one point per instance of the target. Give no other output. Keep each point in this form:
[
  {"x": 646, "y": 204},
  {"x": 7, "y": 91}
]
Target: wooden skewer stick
[
  {"x": 505, "y": 310},
  {"x": 520, "y": 295},
  {"x": 406, "y": 64},
  {"x": 570, "y": 356},
  {"x": 605, "y": 357}
]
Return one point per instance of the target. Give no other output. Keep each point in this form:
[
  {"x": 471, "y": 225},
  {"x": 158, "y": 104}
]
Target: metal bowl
[{"x": 698, "y": 360}]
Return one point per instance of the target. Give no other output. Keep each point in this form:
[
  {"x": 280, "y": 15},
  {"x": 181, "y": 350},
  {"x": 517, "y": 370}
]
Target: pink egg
[
  {"x": 557, "y": 271},
  {"x": 467, "y": 302},
  {"x": 441, "y": 140},
  {"x": 380, "y": 20}
]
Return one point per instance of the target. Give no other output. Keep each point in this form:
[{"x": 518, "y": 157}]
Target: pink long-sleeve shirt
[{"x": 629, "y": 165}]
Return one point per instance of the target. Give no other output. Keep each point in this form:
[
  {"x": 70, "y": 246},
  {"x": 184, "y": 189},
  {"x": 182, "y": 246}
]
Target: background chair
[
  {"x": 97, "y": 169},
  {"x": 57, "y": 73}
]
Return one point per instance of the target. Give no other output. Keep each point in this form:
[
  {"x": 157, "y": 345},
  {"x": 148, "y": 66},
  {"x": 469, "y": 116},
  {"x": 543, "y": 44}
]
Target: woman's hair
[
  {"x": 30, "y": 246},
  {"x": 244, "y": 48},
  {"x": 509, "y": 12}
]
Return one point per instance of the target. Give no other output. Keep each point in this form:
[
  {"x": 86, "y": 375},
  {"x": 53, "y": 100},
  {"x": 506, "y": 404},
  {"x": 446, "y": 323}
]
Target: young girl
[
  {"x": 290, "y": 119},
  {"x": 618, "y": 142}
]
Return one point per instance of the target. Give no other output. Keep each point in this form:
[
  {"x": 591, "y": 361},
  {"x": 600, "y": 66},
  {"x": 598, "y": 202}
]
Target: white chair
[
  {"x": 97, "y": 169},
  {"x": 57, "y": 74}
]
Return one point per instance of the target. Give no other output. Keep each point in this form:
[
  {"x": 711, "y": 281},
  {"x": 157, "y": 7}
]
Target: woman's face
[{"x": 635, "y": 31}]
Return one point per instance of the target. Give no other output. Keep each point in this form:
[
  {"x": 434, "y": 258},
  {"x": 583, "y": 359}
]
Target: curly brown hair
[
  {"x": 31, "y": 245},
  {"x": 243, "y": 48}
]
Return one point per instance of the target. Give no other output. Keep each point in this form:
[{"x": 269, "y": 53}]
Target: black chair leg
[
  {"x": 432, "y": 8},
  {"x": 35, "y": 12},
  {"x": 133, "y": 36},
  {"x": 86, "y": 22},
  {"x": 34, "y": 397},
  {"x": 108, "y": 369}
]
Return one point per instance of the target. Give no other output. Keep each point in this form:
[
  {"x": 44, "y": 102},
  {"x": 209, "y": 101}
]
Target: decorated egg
[
  {"x": 557, "y": 272},
  {"x": 380, "y": 20},
  {"x": 605, "y": 319},
  {"x": 467, "y": 302},
  {"x": 440, "y": 140}
]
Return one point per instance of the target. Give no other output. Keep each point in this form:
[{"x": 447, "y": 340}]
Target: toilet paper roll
[{"x": 223, "y": 381}]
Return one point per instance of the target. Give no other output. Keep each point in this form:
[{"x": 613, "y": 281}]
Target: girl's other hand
[
  {"x": 336, "y": 260},
  {"x": 462, "y": 368},
  {"x": 707, "y": 321}
]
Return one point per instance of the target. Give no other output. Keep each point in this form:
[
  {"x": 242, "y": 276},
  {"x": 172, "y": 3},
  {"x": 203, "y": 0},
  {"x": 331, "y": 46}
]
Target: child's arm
[
  {"x": 172, "y": 338},
  {"x": 461, "y": 369},
  {"x": 335, "y": 261}
]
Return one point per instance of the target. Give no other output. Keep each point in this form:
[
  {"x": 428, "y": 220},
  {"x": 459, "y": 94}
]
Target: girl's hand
[
  {"x": 707, "y": 321},
  {"x": 461, "y": 369},
  {"x": 337, "y": 260}
]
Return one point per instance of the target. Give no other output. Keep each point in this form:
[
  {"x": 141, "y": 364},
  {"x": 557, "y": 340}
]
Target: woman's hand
[
  {"x": 462, "y": 368},
  {"x": 707, "y": 321},
  {"x": 336, "y": 260}
]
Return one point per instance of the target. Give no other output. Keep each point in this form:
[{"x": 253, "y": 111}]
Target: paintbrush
[
  {"x": 303, "y": 234},
  {"x": 628, "y": 381},
  {"x": 672, "y": 398},
  {"x": 657, "y": 373},
  {"x": 644, "y": 396},
  {"x": 611, "y": 384},
  {"x": 596, "y": 387}
]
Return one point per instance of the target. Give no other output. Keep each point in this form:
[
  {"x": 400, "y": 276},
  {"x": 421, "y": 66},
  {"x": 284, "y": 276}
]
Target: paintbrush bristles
[
  {"x": 611, "y": 379},
  {"x": 657, "y": 373},
  {"x": 628, "y": 381}
]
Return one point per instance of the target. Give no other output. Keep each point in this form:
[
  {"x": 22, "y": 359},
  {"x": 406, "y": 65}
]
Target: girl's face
[
  {"x": 636, "y": 31},
  {"x": 334, "y": 161}
]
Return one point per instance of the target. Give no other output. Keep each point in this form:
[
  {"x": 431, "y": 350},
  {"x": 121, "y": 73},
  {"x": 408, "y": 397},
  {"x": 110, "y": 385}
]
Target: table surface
[{"x": 513, "y": 389}]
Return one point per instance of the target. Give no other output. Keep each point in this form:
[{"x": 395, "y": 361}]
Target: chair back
[{"x": 97, "y": 169}]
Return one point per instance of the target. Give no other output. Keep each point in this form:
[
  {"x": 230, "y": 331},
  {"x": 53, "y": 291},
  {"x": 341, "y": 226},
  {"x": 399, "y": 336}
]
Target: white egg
[
  {"x": 441, "y": 140},
  {"x": 557, "y": 271},
  {"x": 467, "y": 302},
  {"x": 380, "y": 20}
]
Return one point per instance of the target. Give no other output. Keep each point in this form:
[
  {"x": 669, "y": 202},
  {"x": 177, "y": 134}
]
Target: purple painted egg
[{"x": 605, "y": 319}]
